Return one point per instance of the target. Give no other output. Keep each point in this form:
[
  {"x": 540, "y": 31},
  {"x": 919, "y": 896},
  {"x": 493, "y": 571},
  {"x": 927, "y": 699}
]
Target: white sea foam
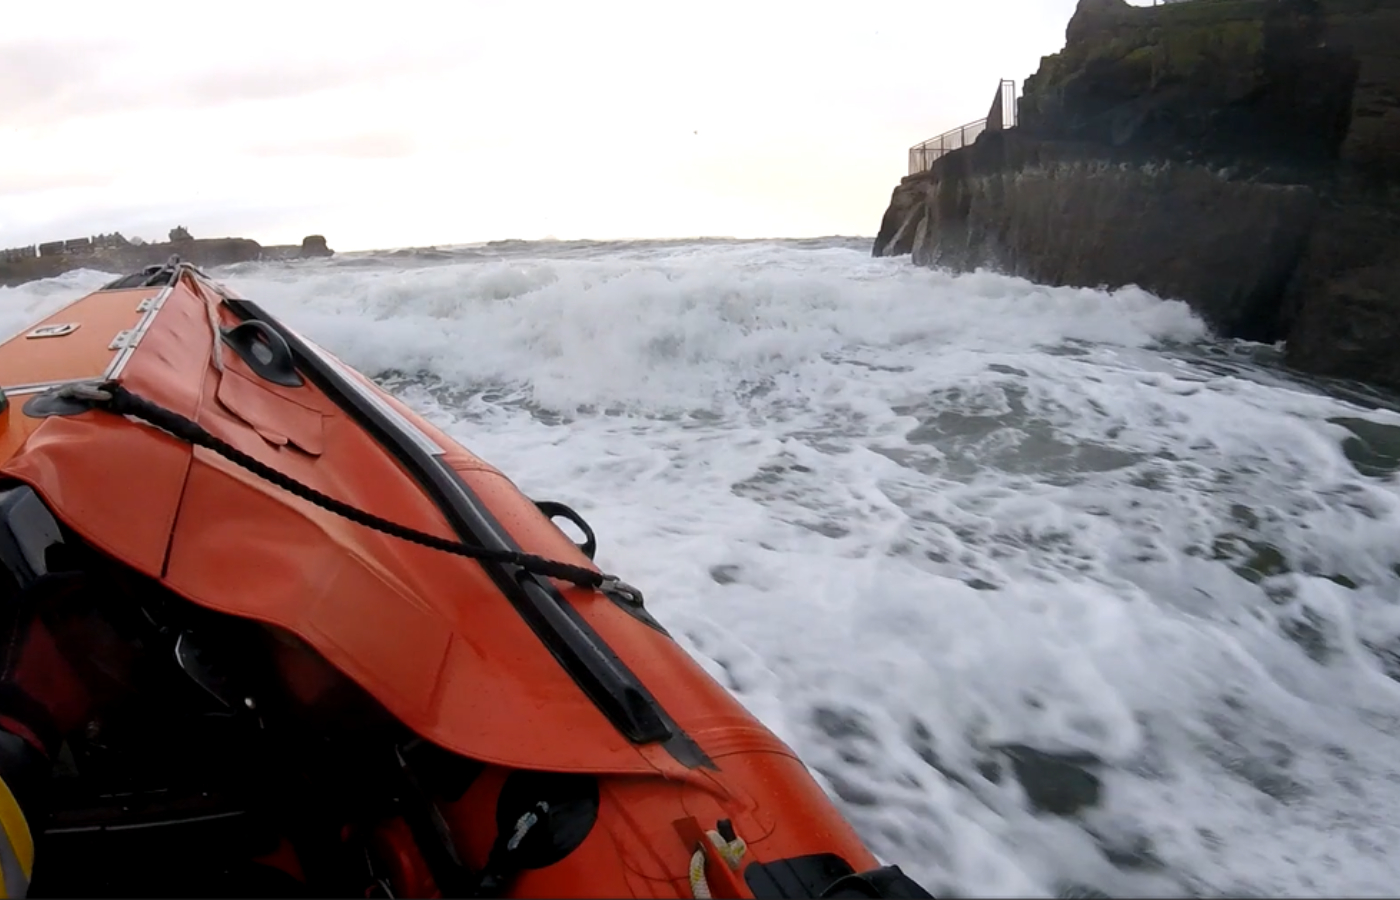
[
  {"x": 910, "y": 517},
  {"x": 19, "y": 306}
]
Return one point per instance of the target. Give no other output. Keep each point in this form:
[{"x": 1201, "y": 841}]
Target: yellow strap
[{"x": 17, "y": 830}]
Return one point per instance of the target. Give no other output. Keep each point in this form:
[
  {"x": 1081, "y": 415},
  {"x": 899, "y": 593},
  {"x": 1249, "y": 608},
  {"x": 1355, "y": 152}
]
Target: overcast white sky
[{"x": 386, "y": 124}]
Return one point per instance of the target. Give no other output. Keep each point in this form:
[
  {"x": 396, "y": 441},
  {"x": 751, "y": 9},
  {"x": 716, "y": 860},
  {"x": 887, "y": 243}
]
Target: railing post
[{"x": 1004, "y": 111}]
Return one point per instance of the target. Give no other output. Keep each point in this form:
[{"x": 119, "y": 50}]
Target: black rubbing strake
[{"x": 597, "y": 670}]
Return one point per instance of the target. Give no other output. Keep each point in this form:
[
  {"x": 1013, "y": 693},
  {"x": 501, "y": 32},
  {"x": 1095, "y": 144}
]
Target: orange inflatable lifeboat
[{"x": 332, "y": 653}]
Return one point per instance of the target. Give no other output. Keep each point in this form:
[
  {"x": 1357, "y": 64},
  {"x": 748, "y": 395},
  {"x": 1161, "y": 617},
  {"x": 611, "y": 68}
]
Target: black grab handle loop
[
  {"x": 265, "y": 351},
  {"x": 555, "y": 510}
]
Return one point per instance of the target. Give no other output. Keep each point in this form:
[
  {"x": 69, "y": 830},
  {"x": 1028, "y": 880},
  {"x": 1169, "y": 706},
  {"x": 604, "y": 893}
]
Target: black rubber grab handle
[
  {"x": 555, "y": 510},
  {"x": 265, "y": 351}
]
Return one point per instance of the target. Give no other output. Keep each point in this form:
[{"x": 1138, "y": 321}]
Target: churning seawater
[{"x": 1053, "y": 591}]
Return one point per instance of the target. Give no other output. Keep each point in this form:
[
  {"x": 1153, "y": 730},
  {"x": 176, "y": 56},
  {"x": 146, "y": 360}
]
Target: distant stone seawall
[{"x": 114, "y": 253}]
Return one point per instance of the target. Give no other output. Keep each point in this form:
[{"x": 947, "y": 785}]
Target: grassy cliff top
[
  {"x": 1155, "y": 44},
  {"x": 1231, "y": 80}
]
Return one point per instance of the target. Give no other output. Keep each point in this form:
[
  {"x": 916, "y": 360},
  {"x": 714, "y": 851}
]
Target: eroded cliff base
[{"x": 1240, "y": 155}]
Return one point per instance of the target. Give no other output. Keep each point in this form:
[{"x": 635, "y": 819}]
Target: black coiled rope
[{"x": 115, "y": 398}]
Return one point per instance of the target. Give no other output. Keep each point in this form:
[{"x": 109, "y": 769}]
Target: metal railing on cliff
[{"x": 1001, "y": 116}]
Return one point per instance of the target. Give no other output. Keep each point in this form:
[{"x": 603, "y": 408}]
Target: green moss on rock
[{"x": 1173, "y": 41}]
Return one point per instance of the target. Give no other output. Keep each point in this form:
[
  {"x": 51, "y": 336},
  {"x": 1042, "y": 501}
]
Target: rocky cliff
[
  {"x": 113, "y": 253},
  {"x": 1241, "y": 155}
]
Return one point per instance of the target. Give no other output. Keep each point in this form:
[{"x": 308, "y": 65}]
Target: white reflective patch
[{"x": 49, "y": 331}]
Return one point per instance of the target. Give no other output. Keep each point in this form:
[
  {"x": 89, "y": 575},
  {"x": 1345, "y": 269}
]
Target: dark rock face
[
  {"x": 312, "y": 246},
  {"x": 1056, "y": 783},
  {"x": 1370, "y": 29},
  {"x": 315, "y": 245},
  {"x": 1345, "y": 299},
  {"x": 1241, "y": 155}
]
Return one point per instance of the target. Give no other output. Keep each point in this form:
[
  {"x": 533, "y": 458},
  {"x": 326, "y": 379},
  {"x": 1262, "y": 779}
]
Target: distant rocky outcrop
[
  {"x": 1240, "y": 155},
  {"x": 114, "y": 253},
  {"x": 312, "y": 245}
]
